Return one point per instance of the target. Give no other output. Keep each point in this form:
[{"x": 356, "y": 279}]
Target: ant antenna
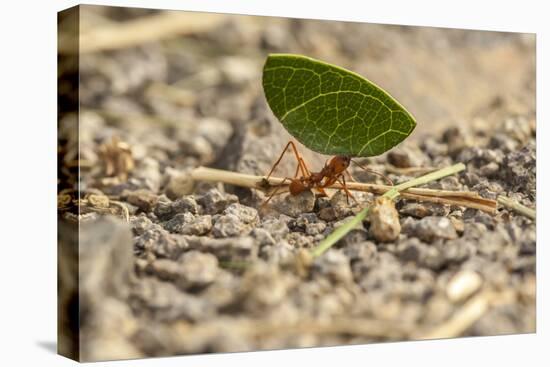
[{"x": 390, "y": 182}]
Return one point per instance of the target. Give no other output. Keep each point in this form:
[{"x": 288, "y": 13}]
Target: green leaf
[{"x": 332, "y": 110}]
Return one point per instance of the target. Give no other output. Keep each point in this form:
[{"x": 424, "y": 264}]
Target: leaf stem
[{"x": 392, "y": 194}]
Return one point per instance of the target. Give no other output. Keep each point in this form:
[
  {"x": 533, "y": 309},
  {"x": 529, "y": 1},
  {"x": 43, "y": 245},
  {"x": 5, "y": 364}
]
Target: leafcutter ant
[{"x": 332, "y": 172}]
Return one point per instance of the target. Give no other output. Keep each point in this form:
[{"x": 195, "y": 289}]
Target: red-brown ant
[{"x": 332, "y": 172}]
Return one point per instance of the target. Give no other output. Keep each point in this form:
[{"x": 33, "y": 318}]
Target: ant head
[{"x": 343, "y": 160}]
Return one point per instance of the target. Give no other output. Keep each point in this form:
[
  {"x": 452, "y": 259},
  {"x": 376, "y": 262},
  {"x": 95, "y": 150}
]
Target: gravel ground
[{"x": 200, "y": 267}]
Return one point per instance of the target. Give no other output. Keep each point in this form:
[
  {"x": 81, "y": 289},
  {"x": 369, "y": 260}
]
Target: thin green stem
[{"x": 392, "y": 194}]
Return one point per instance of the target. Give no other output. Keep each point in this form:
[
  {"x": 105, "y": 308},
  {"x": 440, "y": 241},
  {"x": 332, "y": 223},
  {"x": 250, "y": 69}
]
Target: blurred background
[{"x": 142, "y": 68}]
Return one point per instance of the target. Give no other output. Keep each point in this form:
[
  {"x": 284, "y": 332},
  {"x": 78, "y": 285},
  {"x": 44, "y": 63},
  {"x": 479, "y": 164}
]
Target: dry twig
[
  {"x": 460, "y": 198},
  {"x": 142, "y": 30},
  {"x": 466, "y": 316},
  {"x": 514, "y": 205},
  {"x": 461, "y": 320}
]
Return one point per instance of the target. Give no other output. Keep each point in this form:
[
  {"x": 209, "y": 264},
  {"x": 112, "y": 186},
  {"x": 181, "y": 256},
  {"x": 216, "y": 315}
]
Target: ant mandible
[{"x": 333, "y": 171}]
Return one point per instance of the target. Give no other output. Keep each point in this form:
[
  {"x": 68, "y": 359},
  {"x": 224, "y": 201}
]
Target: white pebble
[{"x": 463, "y": 284}]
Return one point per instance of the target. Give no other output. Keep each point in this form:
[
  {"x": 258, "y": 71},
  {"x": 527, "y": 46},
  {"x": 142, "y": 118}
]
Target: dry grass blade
[
  {"x": 124, "y": 209},
  {"x": 461, "y": 320},
  {"x": 466, "y": 316},
  {"x": 467, "y": 199},
  {"x": 357, "y": 327},
  {"x": 514, "y": 205},
  {"x": 461, "y": 198},
  {"x": 486, "y": 205},
  {"x": 351, "y": 326},
  {"x": 142, "y": 30}
]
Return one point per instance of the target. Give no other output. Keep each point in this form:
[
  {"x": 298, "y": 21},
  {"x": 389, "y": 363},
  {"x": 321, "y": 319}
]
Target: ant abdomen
[{"x": 296, "y": 187}]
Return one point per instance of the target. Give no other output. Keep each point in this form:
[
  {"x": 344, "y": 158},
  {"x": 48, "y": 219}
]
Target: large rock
[
  {"x": 106, "y": 275},
  {"x": 106, "y": 259}
]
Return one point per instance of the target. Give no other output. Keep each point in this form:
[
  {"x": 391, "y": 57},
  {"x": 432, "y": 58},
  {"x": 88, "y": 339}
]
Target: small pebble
[
  {"x": 429, "y": 229},
  {"x": 165, "y": 302},
  {"x": 246, "y": 214},
  {"x": 264, "y": 286},
  {"x": 299, "y": 240},
  {"x": 179, "y": 184},
  {"x": 163, "y": 209},
  {"x": 141, "y": 223},
  {"x": 184, "y": 204},
  {"x": 159, "y": 242},
  {"x": 327, "y": 214},
  {"x": 313, "y": 229},
  {"x": 405, "y": 157},
  {"x": 294, "y": 205},
  {"x": 458, "y": 224},
  {"x": 175, "y": 225},
  {"x": 303, "y": 220},
  {"x": 424, "y": 255},
  {"x": 384, "y": 220},
  {"x": 280, "y": 253},
  {"x": 215, "y": 202},
  {"x": 199, "y": 226},
  {"x": 341, "y": 204},
  {"x": 197, "y": 269},
  {"x": 229, "y": 225},
  {"x": 263, "y": 237},
  {"x": 490, "y": 169},
  {"x": 356, "y": 235},
  {"x": 277, "y": 228},
  {"x": 226, "y": 249},
  {"x": 143, "y": 199},
  {"x": 457, "y": 139},
  {"x": 335, "y": 265}
]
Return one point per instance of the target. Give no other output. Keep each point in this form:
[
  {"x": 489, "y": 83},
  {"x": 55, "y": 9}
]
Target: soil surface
[{"x": 201, "y": 267}]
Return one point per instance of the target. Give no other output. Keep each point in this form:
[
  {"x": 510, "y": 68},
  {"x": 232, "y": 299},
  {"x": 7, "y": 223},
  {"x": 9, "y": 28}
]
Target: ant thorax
[{"x": 318, "y": 176}]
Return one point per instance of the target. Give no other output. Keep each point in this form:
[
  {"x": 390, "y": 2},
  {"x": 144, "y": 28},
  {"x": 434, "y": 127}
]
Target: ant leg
[
  {"x": 276, "y": 191},
  {"x": 390, "y": 182},
  {"x": 302, "y": 167},
  {"x": 344, "y": 187},
  {"x": 301, "y": 162},
  {"x": 297, "y": 170},
  {"x": 299, "y": 159},
  {"x": 278, "y": 160},
  {"x": 322, "y": 192},
  {"x": 351, "y": 178},
  {"x": 305, "y": 171}
]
